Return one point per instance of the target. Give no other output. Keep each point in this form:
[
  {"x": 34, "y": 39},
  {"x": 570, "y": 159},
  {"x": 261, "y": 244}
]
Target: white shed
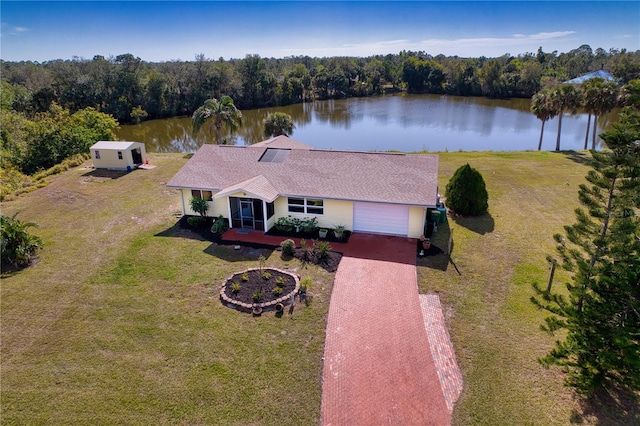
[{"x": 118, "y": 155}]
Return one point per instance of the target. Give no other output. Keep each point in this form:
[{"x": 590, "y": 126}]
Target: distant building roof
[
  {"x": 283, "y": 142},
  {"x": 345, "y": 175},
  {"x": 118, "y": 145},
  {"x": 595, "y": 74}
]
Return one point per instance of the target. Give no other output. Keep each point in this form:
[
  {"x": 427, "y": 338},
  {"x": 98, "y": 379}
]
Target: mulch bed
[
  {"x": 255, "y": 282},
  {"x": 329, "y": 263}
]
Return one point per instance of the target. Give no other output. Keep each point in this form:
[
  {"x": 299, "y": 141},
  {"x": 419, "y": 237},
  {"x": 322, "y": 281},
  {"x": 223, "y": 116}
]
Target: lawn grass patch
[
  {"x": 494, "y": 328},
  {"x": 119, "y": 320}
]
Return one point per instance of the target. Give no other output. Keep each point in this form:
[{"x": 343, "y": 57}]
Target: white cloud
[
  {"x": 487, "y": 46},
  {"x": 12, "y": 30}
]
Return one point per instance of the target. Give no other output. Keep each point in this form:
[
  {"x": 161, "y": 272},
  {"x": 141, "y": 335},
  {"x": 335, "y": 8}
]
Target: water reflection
[{"x": 397, "y": 122}]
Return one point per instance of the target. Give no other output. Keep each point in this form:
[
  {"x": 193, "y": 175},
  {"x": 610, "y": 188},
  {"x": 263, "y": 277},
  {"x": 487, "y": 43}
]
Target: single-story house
[
  {"x": 253, "y": 186},
  {"x": 118, "y": 155}
]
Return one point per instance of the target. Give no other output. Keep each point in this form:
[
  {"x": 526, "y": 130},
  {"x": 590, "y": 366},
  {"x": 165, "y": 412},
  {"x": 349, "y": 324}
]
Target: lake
[{"x": 394, "y": 122}]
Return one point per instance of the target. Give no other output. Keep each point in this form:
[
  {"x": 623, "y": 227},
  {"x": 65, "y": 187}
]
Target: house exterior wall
[
  {"x": 216, "y": 207},
  {"x": 336, "y": 212},
  {"x": 417, "y": 217}
]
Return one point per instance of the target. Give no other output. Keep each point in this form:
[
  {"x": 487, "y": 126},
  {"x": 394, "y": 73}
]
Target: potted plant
[
  {"x": 338, "y": 231},
  {"x": 322, "y": 232}
]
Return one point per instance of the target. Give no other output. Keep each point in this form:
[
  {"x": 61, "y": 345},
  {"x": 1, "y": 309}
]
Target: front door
[{"x": 246, "y": 213}]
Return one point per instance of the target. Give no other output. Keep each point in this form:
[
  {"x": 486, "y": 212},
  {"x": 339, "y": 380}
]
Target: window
[
  {"x": 296, "y": 205},
  {"x": 305, "y": 205},
  {"x": 315, "y": 206},
  {"x": 97, "y": 154},
  {"x": 119, "y": 155},
  {"x": 270, "y": 210},
  {"x": 206, "y": 195}
]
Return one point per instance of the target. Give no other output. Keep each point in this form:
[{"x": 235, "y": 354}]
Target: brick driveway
[{"x": 378, "y": 366}]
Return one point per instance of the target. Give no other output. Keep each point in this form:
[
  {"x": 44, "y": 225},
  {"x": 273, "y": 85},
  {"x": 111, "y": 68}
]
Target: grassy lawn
[
  {"x": 494, "y": 327},
  {"x": 119, "y": 322}
]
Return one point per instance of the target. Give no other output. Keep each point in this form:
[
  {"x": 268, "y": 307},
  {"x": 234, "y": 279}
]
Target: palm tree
[
  {"x": 220, "y": 114},
  {"x": 599, "y": 96},
  {"x": 278, "y": 123},
  {"x": 542, "y": 110},
  {"x": 563, "y": 98}
]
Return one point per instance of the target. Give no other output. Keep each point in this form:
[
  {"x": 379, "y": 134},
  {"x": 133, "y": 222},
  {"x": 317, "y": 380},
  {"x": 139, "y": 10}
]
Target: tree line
[{"x": 131, "y": 89}]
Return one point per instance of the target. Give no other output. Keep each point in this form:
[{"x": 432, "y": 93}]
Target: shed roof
[
  {"x": 347, "y": 175},
  {"x": 117, "y": 145}
]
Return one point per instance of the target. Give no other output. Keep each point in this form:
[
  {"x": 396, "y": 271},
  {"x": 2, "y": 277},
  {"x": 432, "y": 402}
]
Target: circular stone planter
[{"x": 242, "y": 300}]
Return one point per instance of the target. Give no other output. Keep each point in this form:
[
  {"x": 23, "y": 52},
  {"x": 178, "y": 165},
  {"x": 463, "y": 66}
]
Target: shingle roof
[
  {"x": 282, "y": 141},
  {"x": 347, "y": 175},
  {"x": 258, "y": 186}
]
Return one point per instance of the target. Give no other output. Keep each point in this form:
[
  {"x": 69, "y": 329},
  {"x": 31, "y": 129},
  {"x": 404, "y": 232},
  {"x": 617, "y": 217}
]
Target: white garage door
[{"x": 381, "y": 218}]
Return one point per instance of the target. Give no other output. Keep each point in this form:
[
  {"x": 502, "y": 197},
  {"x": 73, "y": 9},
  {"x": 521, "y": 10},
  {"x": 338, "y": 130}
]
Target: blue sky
[{"x": 179, "y": 30}]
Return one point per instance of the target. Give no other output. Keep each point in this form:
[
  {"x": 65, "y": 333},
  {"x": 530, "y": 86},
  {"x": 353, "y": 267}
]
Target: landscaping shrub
[
  {"x": 290, "y": 224},
  {"x": 322, "y": 249},
  {"x": 286, "y": 224},
  {"x": 308, "y": 225},
  {"x": 466, "y": 192},
  {"x": 199, "y": 205},
  {"x": 17, "y": 246},
  {"x": 220, "y": 225},
  {"x": 195, "y": 221},
  {"x": 288, "y": 247}
]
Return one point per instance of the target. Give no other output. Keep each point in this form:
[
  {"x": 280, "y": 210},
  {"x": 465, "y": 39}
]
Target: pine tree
[
  {"x": 467, "y": 193},
  {"x": 601, "y": 315}
]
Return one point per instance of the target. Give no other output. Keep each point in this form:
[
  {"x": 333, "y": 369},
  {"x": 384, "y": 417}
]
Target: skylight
[{"x": 274, "y": 155}]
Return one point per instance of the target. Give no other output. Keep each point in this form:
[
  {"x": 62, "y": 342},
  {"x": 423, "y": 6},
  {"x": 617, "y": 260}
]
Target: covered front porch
[{"x": 250, "y": 203}]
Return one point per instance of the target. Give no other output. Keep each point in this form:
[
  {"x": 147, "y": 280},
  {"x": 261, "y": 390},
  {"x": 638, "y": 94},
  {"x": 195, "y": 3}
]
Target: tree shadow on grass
[
  {"x": 610, "y": 407},
  {"x": 106, "y": 174},
  {"x": 182, "y": 229},
  {"x": 479, "y": 224},
  {"x": 224, "y": 251},
  {"x": 580, "y": 157}
]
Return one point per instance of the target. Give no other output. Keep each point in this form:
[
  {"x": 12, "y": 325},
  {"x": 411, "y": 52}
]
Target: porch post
[
  {"x": 229, "y": 212},
  {"x": 264, "y": 214}
]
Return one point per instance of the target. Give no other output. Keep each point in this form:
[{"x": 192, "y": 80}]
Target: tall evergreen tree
[{"x": 601, "y": 316}]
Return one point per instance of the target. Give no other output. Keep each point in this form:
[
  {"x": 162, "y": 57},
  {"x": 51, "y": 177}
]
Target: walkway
[{"x": 382, "y": 339}]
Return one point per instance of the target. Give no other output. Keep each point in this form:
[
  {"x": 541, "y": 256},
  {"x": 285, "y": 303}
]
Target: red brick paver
[
  {"x": 378, "y": 367},
  {"x": 442, "y": 350},
  {"x": 388, "y": 357}
]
